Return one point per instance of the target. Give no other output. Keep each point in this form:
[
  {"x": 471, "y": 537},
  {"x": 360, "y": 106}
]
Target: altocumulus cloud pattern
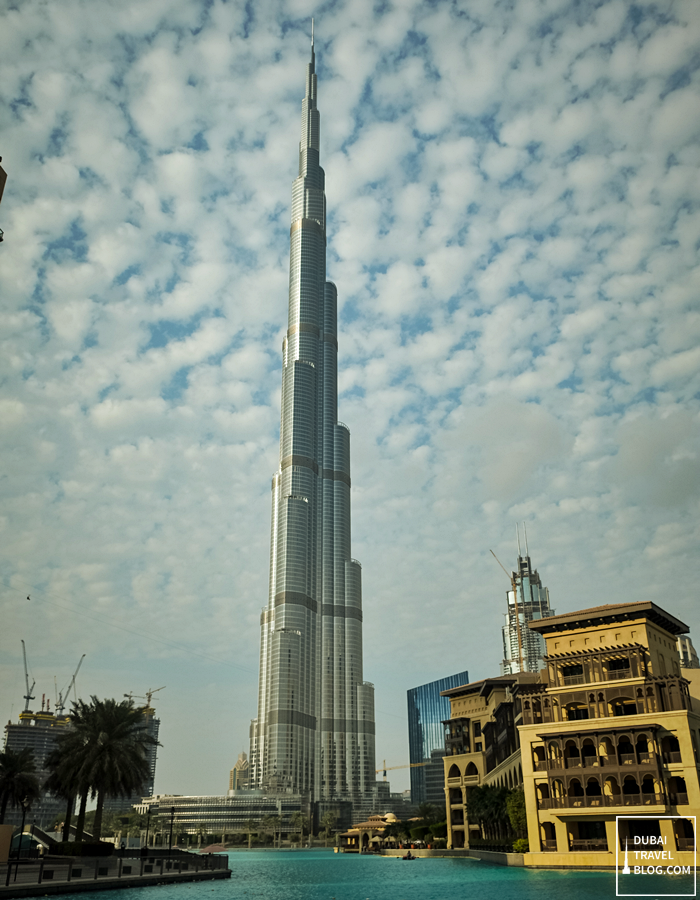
[{"x": 515, "y": 226}]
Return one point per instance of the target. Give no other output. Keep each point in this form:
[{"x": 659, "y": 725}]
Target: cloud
[{"x": 513, "y": 230}]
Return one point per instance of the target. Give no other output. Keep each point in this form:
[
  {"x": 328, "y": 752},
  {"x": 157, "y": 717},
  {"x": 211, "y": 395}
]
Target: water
[{"x": 324, "y": 875}]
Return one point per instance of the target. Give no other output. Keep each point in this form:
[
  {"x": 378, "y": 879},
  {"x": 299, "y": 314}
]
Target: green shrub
[
  {"x": 522, "y": 845},
  {"x": 439, "y": 830},
  {"x": 419, "y": 832}
]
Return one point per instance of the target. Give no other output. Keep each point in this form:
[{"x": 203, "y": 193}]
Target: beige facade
[
  {"x": 610, "y": 728},
  {"x": 481, "y": 746},
  {"x": 610, "y": 731}
]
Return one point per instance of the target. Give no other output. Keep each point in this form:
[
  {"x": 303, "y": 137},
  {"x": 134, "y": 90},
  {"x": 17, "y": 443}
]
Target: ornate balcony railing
[
  {"x": 615, "y": 674},
  {"x": 588, "y": 845},
  {"x": 549, "y": 846},
  {"x": 597, "y": 762},
  {"x": 601, "y": 800},
  {"x": 678, "y": 799},
  {"x": 673, "y": 757}
]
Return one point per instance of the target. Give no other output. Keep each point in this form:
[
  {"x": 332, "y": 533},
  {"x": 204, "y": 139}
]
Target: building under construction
[
  {"x": 528, "y": 600},
  {"x": 37, "y": 731},
  {"x": 151, "y": 726}
]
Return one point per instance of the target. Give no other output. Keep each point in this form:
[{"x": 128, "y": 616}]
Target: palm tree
[
  {"x": 104, "y": 754},
  {"x": 250, "y": 826},
  {"x": 328, "y": 822},
  {"x": 300, "y": 821},
  {"x": 62, "y": 782},
  {"x": 18, "y": 779},
  {"x": 272, "y": 824},
  {"x": 428, "y": 812}
]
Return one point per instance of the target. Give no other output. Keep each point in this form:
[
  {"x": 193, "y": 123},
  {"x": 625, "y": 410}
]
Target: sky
[{"x": 513, "y": 228}]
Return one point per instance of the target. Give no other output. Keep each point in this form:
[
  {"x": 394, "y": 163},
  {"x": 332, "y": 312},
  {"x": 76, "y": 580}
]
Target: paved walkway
[{"x": 59, "y": 875}]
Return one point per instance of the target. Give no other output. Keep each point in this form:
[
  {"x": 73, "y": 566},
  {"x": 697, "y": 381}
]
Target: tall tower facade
[
  {"x": 532, "y": 604},
  {"x": 314, "y": 733}
]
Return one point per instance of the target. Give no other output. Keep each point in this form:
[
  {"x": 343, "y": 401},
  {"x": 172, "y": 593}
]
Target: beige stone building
[
  {"x": 610, "y": 728},
  {"x": 610, "y": 731},
  {"x": 481, "y": 743}
]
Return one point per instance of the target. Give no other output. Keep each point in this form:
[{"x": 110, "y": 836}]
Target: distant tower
[
  {"x": 532, "y": 604},
  {"x": 239, "y": 776},
  {"x": 687, "y": 653}
]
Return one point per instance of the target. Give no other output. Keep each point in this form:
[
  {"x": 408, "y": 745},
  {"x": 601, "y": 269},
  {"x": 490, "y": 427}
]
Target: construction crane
[
  {"x": 147, "y": 697},
  {"x": 28, "y": 696},
  {"x": 405, "y": 766},
  {"x": 61, "y": 697},
  {"x": 514, "y": 587}
]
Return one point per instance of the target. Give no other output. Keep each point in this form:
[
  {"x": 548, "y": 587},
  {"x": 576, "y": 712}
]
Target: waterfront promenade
[{"x": 74, "y": 875}]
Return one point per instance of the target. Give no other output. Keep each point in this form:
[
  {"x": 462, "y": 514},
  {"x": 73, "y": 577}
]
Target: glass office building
[
  {"x": 314, "y": 733},
  {"x": 426, "y": 737}
]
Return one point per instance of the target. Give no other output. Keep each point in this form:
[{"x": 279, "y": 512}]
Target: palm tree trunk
[
  {"x": 70, "y": 806},
  {"x": 80, "y": 825},
  {"x": 97, "y": 828},
  {"x": 3, "y": 807}
]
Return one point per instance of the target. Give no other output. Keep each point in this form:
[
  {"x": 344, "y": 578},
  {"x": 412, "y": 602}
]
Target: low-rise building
[
  {"x": 481, "y": 745},
  {"x": 609, "y": 731},
  {"x": 610, "y": 728},
  {"x": 368, "y": 836},
  {"x": 225, "y": 815}
]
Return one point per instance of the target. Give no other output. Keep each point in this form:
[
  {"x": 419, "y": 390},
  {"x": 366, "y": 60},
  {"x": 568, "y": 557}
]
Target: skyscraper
[
  {"x": 426, "y": 737},
  {"x": 529, "y": 602},
  {"x": 37, "y": 731},
  {"x": 314, "y": 733}
]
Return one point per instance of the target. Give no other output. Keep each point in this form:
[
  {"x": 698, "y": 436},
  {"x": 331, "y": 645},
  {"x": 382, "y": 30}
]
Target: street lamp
[
  {"x": 172, "y": 819},
  {"x": 25, "y": 807}
]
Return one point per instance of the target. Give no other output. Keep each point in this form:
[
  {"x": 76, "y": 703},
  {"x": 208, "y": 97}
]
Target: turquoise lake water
[{"x": 324, "y": 875}]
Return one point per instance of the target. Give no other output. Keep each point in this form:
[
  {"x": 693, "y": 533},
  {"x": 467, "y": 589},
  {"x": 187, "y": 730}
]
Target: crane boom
[
  {"x": 63, "y": 696},
  {"x": 28, "y": 696},
  {"x": 386, "y": 768},
  {"x": 151, "y": 692},
  {"x": 517, "y": 613}
]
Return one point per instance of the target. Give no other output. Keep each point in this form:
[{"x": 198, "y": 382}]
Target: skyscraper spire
[{"x": 315, "y": 728}]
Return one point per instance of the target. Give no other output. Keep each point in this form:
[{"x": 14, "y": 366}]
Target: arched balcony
[
  {"x": 670, "y": 749},
  {"x": 677, "y": 791}
]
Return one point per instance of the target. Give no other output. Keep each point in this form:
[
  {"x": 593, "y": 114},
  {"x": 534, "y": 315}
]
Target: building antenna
[
  {"x": 517, "y": 534},
  {"x": 527, "y": 549},
  {"x": 514, "y": 586},
  {"x": 312, "y": 32}
]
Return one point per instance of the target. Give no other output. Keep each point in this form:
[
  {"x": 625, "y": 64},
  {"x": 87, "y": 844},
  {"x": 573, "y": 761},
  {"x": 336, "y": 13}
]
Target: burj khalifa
[{"x": 314, "y": 733}]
